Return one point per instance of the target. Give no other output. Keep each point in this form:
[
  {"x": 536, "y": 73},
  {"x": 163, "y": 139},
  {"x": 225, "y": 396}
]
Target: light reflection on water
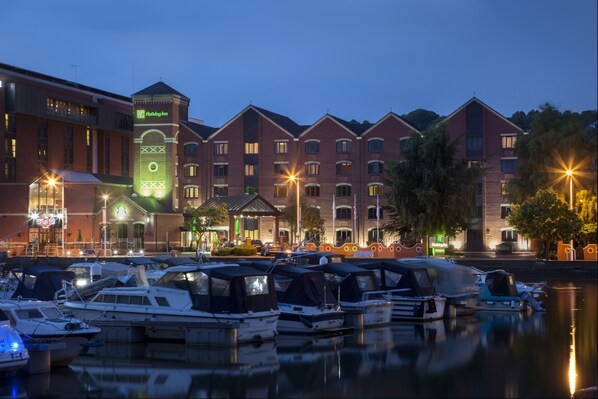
[{"x": 488, "y": 355}]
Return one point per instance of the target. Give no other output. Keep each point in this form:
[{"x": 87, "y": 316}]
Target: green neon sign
[
  {"x": 142, "y": 114},
  {"x": 121, "y": 211}
]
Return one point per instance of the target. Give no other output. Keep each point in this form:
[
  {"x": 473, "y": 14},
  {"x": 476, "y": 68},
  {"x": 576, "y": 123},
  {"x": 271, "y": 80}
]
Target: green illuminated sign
[
  {"x": 142, "y": 114},
  {"x": 121, "y": 211}
]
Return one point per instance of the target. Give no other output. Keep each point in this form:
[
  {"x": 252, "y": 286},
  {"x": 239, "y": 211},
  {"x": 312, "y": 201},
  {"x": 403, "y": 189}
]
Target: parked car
[
  {"x": 257, "y": 244},
  {"x": 270, "y": 248}
]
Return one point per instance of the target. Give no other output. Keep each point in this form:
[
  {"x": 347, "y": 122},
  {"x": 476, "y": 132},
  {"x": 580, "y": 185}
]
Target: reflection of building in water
[
  {"x": 367, "y": 351},
  {"x": 170, "y": 370}
]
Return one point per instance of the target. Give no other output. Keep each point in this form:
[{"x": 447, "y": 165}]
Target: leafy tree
[
  {"x": 545, "y": 217},
  {"x": 585, "y": 206},
  {"x": 312, "y": 222},
  {"x": 289, "y": 215},
  {"x": 199, "y": 220},
  {"x": 556, "y": 142},
  {"x": 430, "y": 191},
  {"x": 421, "y": 118}
]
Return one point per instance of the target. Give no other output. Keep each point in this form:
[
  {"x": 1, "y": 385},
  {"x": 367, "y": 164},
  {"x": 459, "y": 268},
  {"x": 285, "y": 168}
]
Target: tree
[
  {"x": 556, "y": 142},
  {"x": 289, "y": 215},
  {"x": 199, "y": 220},
  {"x": 585, "y": 206},
  {"x": 421, "y": 118},
  {"x": 312, "y": 222},
  {"x": 545, "y": 217},
  {"x": 430, "y": 191}
]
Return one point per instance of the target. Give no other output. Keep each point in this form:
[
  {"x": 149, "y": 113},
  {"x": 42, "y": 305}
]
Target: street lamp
[
  {"x": 569, "y": 173},
  {"x": 105, "y": 196},
  {"x": 295, "y": 179}
]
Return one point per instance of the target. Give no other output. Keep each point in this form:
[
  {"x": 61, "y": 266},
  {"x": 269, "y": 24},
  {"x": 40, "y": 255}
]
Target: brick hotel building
[{"x": 75, "y": 158}]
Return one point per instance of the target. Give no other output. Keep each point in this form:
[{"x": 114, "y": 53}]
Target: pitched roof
[
  {"x": 252, "y": 204},
  {"x": 202, "y": 131},
  {"x": 149, "y": 204},
  {"x": 283, "y": 121},
  {"x": 70, "y": 176},
  {"x": 158, "y": 89},
  {"x": 474, "y": 99},
  {"x": 355, "y": 127}
]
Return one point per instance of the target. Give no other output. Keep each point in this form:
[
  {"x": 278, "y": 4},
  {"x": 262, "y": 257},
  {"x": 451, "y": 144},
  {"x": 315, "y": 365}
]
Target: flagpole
[
  {"x": 377, "y": 218},
  {"x": 355, "y": 218},
  {"x": 333, "y": 219}
]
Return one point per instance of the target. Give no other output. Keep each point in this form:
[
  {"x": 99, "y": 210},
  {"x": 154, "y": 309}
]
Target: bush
[
  {"x": 224, "y": 251},
  {"x": 503, "y": 249},
  {"x": 244, "y": 250}
]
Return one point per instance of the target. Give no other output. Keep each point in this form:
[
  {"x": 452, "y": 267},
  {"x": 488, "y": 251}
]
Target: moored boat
[{"x": 13, "y": 353}]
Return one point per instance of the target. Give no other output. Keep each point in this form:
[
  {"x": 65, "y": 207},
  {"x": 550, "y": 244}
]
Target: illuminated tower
[{"x": 158, "y": 110}]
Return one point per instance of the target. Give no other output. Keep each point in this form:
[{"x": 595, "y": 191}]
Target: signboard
[{"x": 142, "y": 114}]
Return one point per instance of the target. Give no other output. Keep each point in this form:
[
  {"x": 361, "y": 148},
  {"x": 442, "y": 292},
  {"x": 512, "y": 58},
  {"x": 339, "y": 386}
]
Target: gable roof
[
  {"x": 474, "y": 99},
  {"x": 71, "y": 176},
  {"x": 355, "y": 130},
  {"x": 250, "y": 205},
  {"x": 391, "y": 115},
  {"x": 159, "y": 89},
  {"x": 203, "y": 131}
]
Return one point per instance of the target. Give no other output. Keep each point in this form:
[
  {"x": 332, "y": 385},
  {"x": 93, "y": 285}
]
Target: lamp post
[
  {"x": 294, "y": 178},
  {"x": 105, "y": 196},
  {"x": 569, "y": 173}
]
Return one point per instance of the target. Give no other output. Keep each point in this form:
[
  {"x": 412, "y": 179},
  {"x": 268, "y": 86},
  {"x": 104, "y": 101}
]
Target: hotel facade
[{"x": 75, "y": 159}]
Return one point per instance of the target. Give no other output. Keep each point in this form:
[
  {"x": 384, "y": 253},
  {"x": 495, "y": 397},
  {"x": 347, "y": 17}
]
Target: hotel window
[
  {"x": 343, "y": 168},
  {"x": 220, "y": 170},
  {"x": 474, "y": 144},
  {"x": 508, "y": 235},
  {"x": 372, "y": 213},
  {"x": 312, "y": 147},
  {"x": 281, "y": 190},
  {"x": 251, "y": 148},
  {"x": 191, "y": 192},
  {"x": 312, "y": 168},
  {"x": 508, "y": 165},
  {"x": 312, "y": 190},
  {"x": 88, "y": 152},
  {"x": 220, "y": 191},
  {"x": 343, "y": 213},
  {"x": 281, "y": 147},
  {"x": 249, "y": 170},
  {"x": 190, "y": 170},
  {"x": 504, "y": 187},
  {"x": 403, "y": 143},
  {"x": 375, "y": 145},
  {"x": 508, "y": 142},
  {"x": 124, "y": 122},
  {"x": 282, "y": 168},
  {"x": 375, "y": 167},
  {"x": 221, "y": 148},
  {"x": 343, "y": 146},
  {"x": 42, "y": 142},
  {"x": 343, "y": 190},
  {"x": 375, "y": 189},
  {"x": 68, "y": 147},
  {"x": 106, "y": 153},
  {"x": 10, "y": 169},
  {"x": 190, "y": 149},
  {"x": 124, "y": 156},
  {"x": 378, "y": 235},
  {"x": 10, "y": 145},
  {"x": 505, "y": 210}
]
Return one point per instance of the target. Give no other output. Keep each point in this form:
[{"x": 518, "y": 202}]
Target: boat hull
[
  {"x": 309, "y": 320},
  {"x": 417, "y": 308},
  {"x": 367, "y": 313}
]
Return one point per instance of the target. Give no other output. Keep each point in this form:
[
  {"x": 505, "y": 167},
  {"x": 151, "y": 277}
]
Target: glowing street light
[
  {"x": 295, "y": 179},
  {"x": 569, "y": 173}
]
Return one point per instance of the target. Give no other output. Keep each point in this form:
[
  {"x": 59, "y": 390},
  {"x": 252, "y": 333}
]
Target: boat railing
[{"x": 386, "y": 294}]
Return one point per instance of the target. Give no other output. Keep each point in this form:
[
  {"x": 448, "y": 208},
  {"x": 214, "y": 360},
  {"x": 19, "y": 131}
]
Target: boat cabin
[
  {"x": 391, "y": 275},
  {"x": 355, "y": 283},
  {"x": 40, "y": 281}
]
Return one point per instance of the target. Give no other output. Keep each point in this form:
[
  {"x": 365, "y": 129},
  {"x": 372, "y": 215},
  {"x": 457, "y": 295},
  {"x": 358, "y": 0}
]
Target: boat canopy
[
  {"x": 392, "y": 275},
  {"x": 171, "y": 261},
  {"x": 353, "y": 281},
  {"x": 501, "y": 283},
  {"x": 139, "y": 261},
  {"x": 40, "y": 281},
  {"x": 234, "y": 289},
  {"x": 449, "y": 279},
  {"x": 298, "y": 286}
]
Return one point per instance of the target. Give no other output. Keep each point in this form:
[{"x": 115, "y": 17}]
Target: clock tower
[{"x": 158, "y": 110}]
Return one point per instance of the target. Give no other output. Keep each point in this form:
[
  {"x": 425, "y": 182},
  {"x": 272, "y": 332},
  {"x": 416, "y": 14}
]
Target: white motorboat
[
  {"x": 41, "y": 323},
  {"x": 410, "y": 290},
  {"x": 306, "y": 303},
  {"x": 233, "y": 295},
  {"x": 13, "y": 353},
  {"x": 358, "y": 294}
]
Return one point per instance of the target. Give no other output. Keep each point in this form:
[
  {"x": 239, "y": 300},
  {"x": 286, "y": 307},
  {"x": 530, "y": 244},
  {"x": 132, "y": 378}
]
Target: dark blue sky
[{"x": 356, "y": 59}]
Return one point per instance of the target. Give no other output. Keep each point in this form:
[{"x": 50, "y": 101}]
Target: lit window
[
  {"x": 312, "y": 168},
  {"x": 191, "y": 192},
  {"x": 281, "y": 190},
  {"x": 504, "y": 187},
  {"x": 190, "y": 170},
  {"x": 508, "y": 142},
  {"x": 249, "y": 170},
  {"x": 375, "y": 189},
  {"x": 251, "y": 148},
  {"x": 281, "y": 147},
  {"x": 221, "y": 148}
]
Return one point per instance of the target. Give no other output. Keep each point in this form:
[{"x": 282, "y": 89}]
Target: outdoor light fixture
[
  {"x": 569, "y": 173},
  {"x": 295, "y": 179},
  {"x": 105, "y": 196}
]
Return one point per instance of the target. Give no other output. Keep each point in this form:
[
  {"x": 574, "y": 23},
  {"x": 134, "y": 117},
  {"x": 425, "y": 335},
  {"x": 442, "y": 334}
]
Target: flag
[{"x": 333, "y": 207}]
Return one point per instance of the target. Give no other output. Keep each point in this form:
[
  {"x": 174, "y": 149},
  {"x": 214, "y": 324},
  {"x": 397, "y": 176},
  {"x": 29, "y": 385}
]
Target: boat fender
[{"x": 431, "y": 306}]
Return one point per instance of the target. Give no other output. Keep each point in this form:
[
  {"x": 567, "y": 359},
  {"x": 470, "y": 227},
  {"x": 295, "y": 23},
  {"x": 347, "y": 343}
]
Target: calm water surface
[{"x": 495, "y": 355}]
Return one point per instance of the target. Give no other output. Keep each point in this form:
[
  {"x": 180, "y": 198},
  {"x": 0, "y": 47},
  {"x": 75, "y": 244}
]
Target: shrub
[
  {"x": 244, "y": 250},
  {"x": 224, "y": 251}
]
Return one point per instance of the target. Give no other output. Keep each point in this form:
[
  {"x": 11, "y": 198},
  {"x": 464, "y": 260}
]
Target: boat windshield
[
  {"x": 52, "y": 312},
  {"x": 366, "y": 283},
  {"x": 24, "y": 314},
  {"x": 195, "y": 282},
  {"x": 392, "y": 278},
  {"x": 256, "y": 285}
]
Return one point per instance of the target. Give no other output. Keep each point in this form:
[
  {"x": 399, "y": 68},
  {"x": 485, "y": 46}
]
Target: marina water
[{"x": 497, "y": 355}]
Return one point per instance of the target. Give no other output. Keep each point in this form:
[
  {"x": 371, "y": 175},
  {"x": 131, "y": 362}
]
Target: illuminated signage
[
  {"x": 46, "y": 220},
  {"x": 121, "y": 211},
  {"x": 142, "y": 114}
]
